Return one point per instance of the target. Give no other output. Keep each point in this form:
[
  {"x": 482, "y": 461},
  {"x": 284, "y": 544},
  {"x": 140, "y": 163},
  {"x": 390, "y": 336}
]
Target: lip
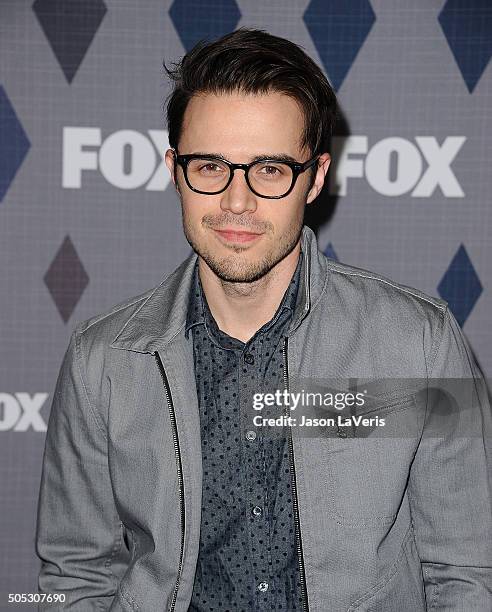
[{"x": 236, "y": 235}]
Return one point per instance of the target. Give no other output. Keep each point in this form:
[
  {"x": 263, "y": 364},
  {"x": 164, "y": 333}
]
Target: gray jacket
[{"x": 390, "y": 524}]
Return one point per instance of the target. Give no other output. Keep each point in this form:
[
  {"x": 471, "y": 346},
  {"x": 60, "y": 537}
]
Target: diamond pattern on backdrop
[
  {"x": 330, "y": 252},
  {"x": 467, "y": 27},
  {"x": 460, "y": 286},
  {"x": 14, "y": 143},
  {"x": 338, "y": 29},
  {"x": 195, "y": 19},
  {"x": 66, "y": 279},
  {"x": 70, "y": 28}
]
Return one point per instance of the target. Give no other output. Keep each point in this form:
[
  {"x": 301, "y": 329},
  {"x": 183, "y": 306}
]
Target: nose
[{"x": 238, "y": 197}]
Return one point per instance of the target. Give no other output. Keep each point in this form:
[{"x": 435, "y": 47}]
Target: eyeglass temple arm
[{"x": 175, "y": 165}]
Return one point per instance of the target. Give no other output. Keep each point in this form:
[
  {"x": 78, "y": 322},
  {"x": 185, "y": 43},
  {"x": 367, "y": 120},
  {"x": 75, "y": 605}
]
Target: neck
[{"x": 240, "y": 309}]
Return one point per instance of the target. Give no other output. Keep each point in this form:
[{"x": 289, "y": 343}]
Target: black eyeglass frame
[{"x": 296, "y": 167}]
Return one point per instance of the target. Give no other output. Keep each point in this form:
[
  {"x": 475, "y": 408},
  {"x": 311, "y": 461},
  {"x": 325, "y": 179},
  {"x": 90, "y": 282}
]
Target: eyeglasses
[{"x": 267, "y": 178}]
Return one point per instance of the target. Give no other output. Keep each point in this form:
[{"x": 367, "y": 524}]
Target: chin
[{"x": 235, "y": 269}]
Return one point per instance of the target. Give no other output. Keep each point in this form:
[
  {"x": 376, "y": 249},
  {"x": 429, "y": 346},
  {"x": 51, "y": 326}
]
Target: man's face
[{"x": 239, "y": 235}]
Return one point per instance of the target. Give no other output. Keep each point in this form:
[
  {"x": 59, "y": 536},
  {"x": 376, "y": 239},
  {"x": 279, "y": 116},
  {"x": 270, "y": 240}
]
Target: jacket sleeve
[
  {"x": 450, "y": 481},
  {"x": 79, "y": 536}
]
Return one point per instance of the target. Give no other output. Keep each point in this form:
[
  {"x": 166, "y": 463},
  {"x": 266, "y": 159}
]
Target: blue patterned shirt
[{"x": 247, "y": 557}]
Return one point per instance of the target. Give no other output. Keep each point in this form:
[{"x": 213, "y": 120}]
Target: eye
[
  {"x": 210, "y": 168},
  {"x": 207, "y": 166},
  {"x": 272, "y": 170}
]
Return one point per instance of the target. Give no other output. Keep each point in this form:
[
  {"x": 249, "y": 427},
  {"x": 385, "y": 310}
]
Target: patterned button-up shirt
[{"x": 247, "y": 556}]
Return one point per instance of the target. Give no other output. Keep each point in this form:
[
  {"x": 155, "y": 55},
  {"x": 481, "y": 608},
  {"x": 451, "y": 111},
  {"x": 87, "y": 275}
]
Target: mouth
[{"x": 230, "y": 235}]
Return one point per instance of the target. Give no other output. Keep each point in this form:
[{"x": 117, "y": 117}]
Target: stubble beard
[{"x": 234, "y": 268}]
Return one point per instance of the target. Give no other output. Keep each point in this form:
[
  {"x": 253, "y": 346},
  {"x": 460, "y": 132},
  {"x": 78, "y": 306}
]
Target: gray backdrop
[{"x": 88, "y": 218}]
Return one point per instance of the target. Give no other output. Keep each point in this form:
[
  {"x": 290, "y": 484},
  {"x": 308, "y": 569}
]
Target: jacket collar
[{"x": 162, "y": 315}]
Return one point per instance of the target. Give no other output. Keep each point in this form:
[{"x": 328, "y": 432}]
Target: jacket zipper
[
  {"x": 304, "y": 597},
  {"x": 180, "y": 476}
]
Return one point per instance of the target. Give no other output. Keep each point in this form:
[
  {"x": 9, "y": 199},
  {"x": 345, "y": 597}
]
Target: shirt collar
[{"x": 199, "y": 312}]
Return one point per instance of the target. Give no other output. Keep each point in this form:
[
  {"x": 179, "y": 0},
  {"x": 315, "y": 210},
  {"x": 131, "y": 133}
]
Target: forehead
[{"x": 242, "y": 125}]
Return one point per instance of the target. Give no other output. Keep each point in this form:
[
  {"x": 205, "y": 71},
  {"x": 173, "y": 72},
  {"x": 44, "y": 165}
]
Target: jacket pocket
[
  {"x": 402, "y": 589},
  {"x": 367, "y": 476}
]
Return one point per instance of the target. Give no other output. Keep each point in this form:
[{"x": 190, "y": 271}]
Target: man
[{"x": 159, "y": 492}]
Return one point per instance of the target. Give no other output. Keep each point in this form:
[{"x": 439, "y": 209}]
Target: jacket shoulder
[
  {"x": 118, "y": 311},
  {"x": 406, "y": 322},
  {"x": 380, "y": 287},
  {"x": 105, "y": 325}
]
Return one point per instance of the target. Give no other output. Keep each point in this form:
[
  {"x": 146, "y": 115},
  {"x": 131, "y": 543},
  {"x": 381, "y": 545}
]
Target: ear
[
  {"x": 169, "y": 159},
  {"x": 319, "y": 180}
]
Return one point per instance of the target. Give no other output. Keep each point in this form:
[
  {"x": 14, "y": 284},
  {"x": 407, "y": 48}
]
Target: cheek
[
  {"x": 287, "y": 211},
  {"x": 194, "y": 209},
  {"x": 191, "y": 206},
  {"x": 191, "y": 217}
]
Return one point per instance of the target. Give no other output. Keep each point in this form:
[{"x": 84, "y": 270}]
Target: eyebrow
[{"x": 280, "y": 157}]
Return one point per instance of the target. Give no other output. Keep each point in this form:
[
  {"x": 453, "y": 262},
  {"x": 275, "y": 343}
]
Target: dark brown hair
[{"x": 254, "y": 61}]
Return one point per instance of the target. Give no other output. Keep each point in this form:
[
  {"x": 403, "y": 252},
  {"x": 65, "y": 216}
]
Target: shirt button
[
  {"x": 249, "y": 359},
  {"x": 263, "y": 586},
  {"x": 257, "y": 511},
  {"x": 250, "y": 435}
]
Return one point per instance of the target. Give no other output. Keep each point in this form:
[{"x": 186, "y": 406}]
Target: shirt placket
[{"x": 254, "y": 477}]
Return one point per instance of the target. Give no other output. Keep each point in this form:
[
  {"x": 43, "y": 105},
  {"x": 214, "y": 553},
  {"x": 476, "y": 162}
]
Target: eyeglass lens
[{"x": 267, "y": 178}]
